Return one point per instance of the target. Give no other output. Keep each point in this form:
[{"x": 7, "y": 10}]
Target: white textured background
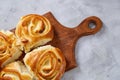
[{"x": 98, "y": 56}]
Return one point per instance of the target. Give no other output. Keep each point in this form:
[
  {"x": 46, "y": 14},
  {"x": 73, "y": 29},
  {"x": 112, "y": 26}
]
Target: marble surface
[{"x": 98, "y": 56}]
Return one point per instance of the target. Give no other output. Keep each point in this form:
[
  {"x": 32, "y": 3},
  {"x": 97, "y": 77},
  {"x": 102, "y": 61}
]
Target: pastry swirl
[
  {"x": 33, "y": 30},
  {"x": 8, "y": 51},
  {"x": 15, "y": 71},
  {"x": 46, "y": 63}
]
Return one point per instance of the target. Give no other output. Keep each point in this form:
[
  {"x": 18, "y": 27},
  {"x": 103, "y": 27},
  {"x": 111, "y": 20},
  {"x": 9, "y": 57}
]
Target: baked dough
[
  {"x": 46, "y": 63},
  {"x": 15, "y": 71},
  {"x": 33, "y": 30},
  {"x": 8, "y": 50}
]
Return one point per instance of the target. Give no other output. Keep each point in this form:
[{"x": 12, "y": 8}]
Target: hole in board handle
[{"x": 92, "y": 25}]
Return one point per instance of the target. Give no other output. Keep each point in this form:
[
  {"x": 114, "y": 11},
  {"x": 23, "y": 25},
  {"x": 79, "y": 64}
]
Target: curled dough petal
[
  {"x": 46, "y": 63},
  {"x": 15, "y": 71},
  {"x": 34, "y": 30},
  {"x": 8, "y": 51}
]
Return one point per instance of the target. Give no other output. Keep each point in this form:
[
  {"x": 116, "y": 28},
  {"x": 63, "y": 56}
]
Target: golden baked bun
[
  {"x": 15, "y": 71},
  {"x": 33, "y": 30},
  {"x": 8, "y": 50},
  {"x": 46, "y": 63}
]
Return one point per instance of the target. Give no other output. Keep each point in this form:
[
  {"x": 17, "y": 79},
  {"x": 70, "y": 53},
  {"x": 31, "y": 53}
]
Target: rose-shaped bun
[
  {"x": 8, "y": 50},
  {"x": 33, "y": 30},
  {"x": 46, "y": 63},
  {"x": 15, "y": 71}
]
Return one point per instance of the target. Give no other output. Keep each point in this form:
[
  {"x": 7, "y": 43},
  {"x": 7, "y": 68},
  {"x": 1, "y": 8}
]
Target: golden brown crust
[
  {"x": 48, "y": 63},
  {"x": 8, "y": 51},
  {"x": 15, "y": 71},
  {"x": 33, "y": 30},
  {"x": 5, "y": 78}
]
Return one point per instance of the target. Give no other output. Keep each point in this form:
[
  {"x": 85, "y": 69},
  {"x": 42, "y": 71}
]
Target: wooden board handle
[{"x": 84, "y": 28}]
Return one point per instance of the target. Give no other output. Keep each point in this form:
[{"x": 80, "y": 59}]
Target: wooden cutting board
[{"x": 65, "y": 38}]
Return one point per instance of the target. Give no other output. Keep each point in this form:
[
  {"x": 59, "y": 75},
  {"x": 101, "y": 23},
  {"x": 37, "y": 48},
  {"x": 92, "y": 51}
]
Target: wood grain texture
[{"x": 65, "y": 38}]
